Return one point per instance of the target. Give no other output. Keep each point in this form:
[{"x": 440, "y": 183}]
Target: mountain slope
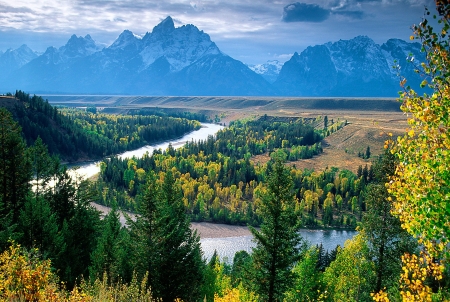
[
  {"x": 356, "y": 67},
  {"x": 183, "y": 61},
  {"x": 166, "y": 61}
]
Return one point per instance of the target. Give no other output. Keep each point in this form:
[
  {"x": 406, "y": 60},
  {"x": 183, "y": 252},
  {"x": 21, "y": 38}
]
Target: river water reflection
[{"x": 228, "y": 246}]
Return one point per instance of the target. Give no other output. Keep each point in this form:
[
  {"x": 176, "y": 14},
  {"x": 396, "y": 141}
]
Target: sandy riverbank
[
  {"x": 213, "y": 230},
  {"x": 204, "y": 229}
]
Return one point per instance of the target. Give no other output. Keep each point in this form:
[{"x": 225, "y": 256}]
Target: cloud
[
  {"x": 10, "y": 9},
  {"x": 303, "y": 12},
  {"x": 354, "y": 14}
]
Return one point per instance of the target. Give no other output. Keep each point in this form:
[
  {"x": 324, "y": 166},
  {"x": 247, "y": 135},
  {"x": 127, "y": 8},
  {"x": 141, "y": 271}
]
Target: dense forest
[
  {"x": 86, "y": 134},
  {"x": 56, "y": 247},
  {"x": 221, "y": 183}
]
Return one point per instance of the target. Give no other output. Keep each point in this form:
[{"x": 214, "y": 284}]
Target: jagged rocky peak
[
  {"x": 180, "y": 46},
  {"x": 166, "y": 26},
  {"x": 13, "y": 59},
  {"x": 78, "y": 47},
  {"x": 125, "y": 39},
  {"x": 359, "y": 42}
]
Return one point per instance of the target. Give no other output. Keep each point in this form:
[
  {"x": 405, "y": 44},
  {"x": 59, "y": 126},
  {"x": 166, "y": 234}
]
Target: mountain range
[{"x": 184, "y": 61}]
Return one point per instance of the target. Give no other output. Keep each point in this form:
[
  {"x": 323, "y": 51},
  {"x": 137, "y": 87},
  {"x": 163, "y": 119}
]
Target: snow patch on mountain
[
  {"x": 78, "y": 47},
  {"x": 268, "y": 70},
  {"x": 180, "y": 46},
  {"x": 13, "y": 59}
]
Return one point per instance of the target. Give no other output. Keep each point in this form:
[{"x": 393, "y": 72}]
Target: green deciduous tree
[
  {"x": 351, "y": 276},
  {"x": 308, "y": 281},
  {"x": 278, "y": 241}
]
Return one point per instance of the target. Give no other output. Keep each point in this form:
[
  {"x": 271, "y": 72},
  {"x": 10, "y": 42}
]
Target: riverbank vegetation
[
  {"x": 221, "y": 183},
  {"x": 56, "y": 247},
  {"x": 74, "y": 134}
]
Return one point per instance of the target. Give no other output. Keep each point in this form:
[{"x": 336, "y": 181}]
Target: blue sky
[{"x": 248, "y": 30}]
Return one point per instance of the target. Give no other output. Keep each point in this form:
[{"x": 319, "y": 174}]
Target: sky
[{"x": 252, "y": 31}]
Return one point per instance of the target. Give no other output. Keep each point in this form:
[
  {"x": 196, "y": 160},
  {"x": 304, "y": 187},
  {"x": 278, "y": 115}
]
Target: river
[
  {"x": 89, "y": 169},
  {"x": 225, "y": 245}
]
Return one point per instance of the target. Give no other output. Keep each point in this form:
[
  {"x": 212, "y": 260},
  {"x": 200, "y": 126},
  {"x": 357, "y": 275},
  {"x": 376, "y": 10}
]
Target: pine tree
[
  {"x": 144, "y": 231},
  {"x": 164, "y": 245},
  {"x": 15, "y": 169},
  {"x": 104, "y": 257},
  {"x": 80, "y": 234},
  {"x": 180, "y": 264},
  {"x": 387, "y": 241},
  {"x": 278, "y": 241}
]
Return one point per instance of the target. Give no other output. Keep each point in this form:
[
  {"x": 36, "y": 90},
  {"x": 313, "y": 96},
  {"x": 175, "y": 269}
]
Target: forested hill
[{"x": 80, "y": 135}]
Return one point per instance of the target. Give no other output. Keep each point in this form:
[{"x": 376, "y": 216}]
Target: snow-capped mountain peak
[
  {"x": 180, "y": 46},
  {"x": 125, "y": 40},
  {"x": 15, "y": 58},
  {"x": 165, "y": 27},
  {"x": 78, "y": 47}
]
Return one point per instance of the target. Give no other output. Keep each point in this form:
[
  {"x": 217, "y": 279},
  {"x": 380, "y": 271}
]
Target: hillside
[
  {"x": 79, "y": 135},
  {"x": 368, "y": 119}
]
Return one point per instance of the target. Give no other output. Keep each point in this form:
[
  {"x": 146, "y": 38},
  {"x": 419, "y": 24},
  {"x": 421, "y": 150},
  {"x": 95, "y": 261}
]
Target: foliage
[
  {"x": 351, "y": 276},
  {"x": 25, "y": 277},
  {"x": 165, "y": 246},
  {"x": 15, "y": 168},
  {"x": 386, "y": 239},
  {"x": 278, "y": 242},
  {"x": 421, "y": 182},
  {"x": 105, "y": 290},
  {"x": 90, "y": 134},
  {"x": 307, "y": 283},
  {"x": 416, "y": 272},
  {"x": 221, "y": 183}
]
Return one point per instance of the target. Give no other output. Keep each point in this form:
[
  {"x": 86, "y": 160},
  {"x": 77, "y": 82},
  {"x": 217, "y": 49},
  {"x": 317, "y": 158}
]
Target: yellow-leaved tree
[
  {"x": 422, "y": 178},
  {"x": 420, "y": 188}
]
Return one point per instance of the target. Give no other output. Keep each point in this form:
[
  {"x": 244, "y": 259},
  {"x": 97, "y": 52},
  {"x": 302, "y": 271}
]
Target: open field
[{"x": 369, "y": 119}]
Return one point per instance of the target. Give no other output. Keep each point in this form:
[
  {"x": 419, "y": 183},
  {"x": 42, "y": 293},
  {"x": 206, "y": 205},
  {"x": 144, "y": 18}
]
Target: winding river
[
  {"x": 225, "y": 246},
  {"x": 89, "y": 169}
]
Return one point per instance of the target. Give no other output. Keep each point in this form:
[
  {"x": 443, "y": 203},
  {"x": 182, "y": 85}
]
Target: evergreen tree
[
  {"x": 367, "y": 155},
  {"x": 15, "y": 169},
  {"x": 39, "y": 228},
  {"x": 164, "y": 245},
  {"x": 104, "y": 257},
  {"x": 144, "y": 231},
  {"x": 387, "y": 241},
  {"x": 80, "y": 234},
  {"x": 278, "y": 241},
  {"x": 180, "y": 263}
]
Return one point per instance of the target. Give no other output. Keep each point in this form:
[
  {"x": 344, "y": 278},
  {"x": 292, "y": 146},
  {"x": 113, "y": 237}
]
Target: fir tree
[
  {"x": 278, "y": 241},
  {"x": 180, "y": 263},
  {"x": 15, "y": 169},
  {"x": 165, "y": 246}
]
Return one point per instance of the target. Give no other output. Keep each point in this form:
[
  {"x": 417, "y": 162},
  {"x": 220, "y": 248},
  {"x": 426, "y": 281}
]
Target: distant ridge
[
  {"x": 183, "y": 61},
  {"x": 254, "y": 104}
]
